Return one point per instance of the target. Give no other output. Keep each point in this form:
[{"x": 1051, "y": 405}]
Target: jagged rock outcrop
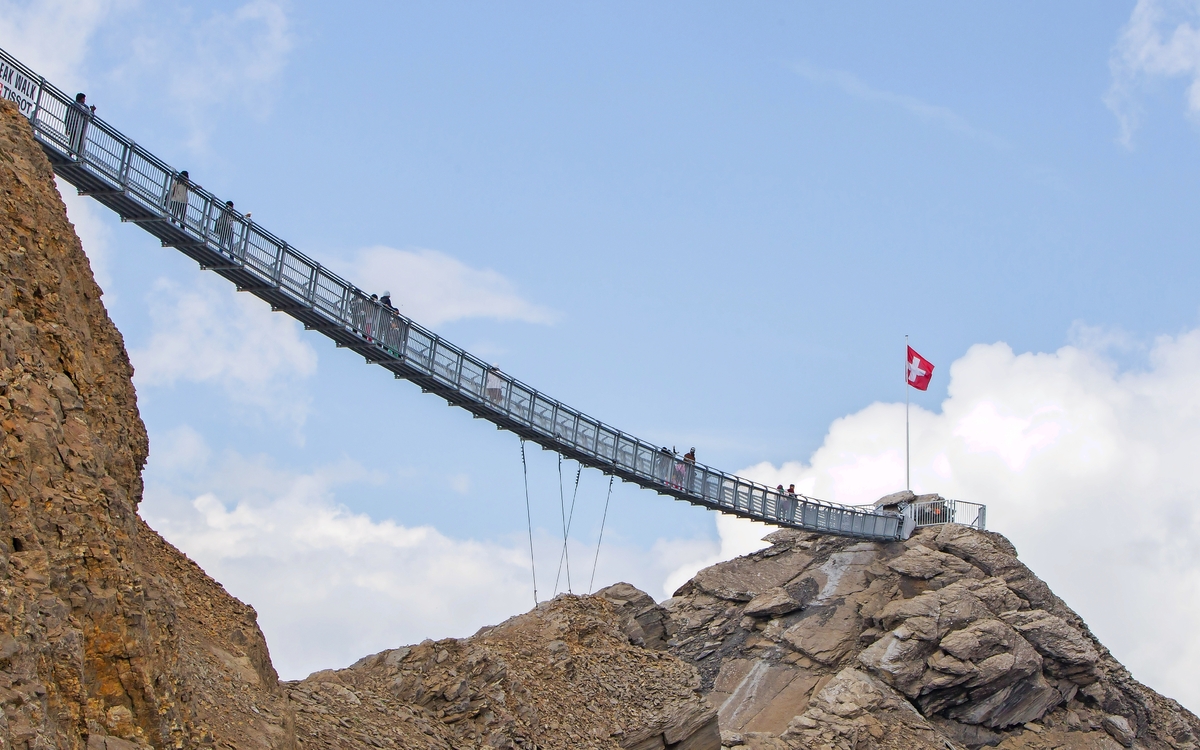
[
  {"x": 569, "y": 674},
  {"x": 945, "y": 640},
  {"x": 110, "y": 639}
]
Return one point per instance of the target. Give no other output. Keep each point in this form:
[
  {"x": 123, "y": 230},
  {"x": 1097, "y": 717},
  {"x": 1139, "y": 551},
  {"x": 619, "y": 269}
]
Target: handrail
[
  {"x": 939, "y": 511},
  {"x": 101, "y": 162}
]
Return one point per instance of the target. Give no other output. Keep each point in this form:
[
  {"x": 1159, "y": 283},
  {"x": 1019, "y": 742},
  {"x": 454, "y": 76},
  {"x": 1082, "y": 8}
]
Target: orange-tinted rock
[{"x": 109, "y": 637}]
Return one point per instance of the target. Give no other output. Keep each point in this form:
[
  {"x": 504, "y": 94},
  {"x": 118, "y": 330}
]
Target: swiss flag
[{"x": 918, "y": 371}]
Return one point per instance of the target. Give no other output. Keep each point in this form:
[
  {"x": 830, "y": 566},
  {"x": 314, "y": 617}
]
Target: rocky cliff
[
  {"x": 576, "y": 672},
  {"x": 945, "y": 640},
  {"x": 111, "y": 639}
]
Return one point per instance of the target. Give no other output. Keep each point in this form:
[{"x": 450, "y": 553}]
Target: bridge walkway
[{"x": 101, "y": 162}]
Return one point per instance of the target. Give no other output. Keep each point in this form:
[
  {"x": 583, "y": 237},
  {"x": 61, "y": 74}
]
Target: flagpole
[{"x": 907, "y": 472}]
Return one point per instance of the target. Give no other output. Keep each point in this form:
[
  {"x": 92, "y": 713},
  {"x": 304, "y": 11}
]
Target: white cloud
[
  {"x": 53, "y": 36},
  {"x": 331, "y": 585},
  {"x": 934, "y": 114},
  {"x": 1159, "y": 41},
  {"x": 235, "y": 56},
  {"x": 179, "y": 450},
  {"x": 206, "y": 333},
  {"x": 209, "y": 58},
  {"x": 1090, "y": 470},
  {"x": 433, "y": 288},
  {"x": 739, "y": 536}
]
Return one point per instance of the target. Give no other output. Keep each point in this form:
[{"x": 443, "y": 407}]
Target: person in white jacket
[
  {"x": 179, "y": 198},
  {"x": 494, "y": 385},
  {"x": 77, "y": 117}
]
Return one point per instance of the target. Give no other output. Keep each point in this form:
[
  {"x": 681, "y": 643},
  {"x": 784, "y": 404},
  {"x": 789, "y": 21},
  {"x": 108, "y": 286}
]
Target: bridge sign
[{"x": 17, "y": 87}]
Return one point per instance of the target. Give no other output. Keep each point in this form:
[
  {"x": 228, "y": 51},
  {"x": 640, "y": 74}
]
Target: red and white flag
[{"x": 918, "y": 371}]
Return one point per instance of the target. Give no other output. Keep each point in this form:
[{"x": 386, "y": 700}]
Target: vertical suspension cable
[
  {"x": 529, "y": 521},
  {"x": 565, "y": 556},
  {"x": 562, "y": 507},
  {"x": 592, "y": 583},
  {"x": 570, "y": 520}
]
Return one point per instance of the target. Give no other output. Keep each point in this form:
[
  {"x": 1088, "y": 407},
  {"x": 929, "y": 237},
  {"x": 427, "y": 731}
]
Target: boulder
[
  {"x": 896, "y": 498},
  {"x": 646, "y": 623},
  {"x": 1070, "y": 654},
  {"x": 772, "y": 602},
  {"x": 1119, "y": 729},
  {"x": 745, "y": 578}
]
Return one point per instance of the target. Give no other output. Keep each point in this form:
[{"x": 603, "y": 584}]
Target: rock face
[
  {"x": 109, "y": 637},
  {"x": 945, "y": 640},
  {"x": 569, "y": 674}
]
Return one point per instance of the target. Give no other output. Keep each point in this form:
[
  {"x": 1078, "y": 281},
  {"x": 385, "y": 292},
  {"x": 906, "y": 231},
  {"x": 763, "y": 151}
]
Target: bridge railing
[
  {"x": 88, "y": 150},
  {"x": 942, "y": 511}
]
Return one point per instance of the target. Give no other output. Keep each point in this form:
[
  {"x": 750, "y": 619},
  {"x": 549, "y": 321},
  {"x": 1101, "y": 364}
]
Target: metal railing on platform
[
  {"x": 103, "y": 163},
  {"x": 942, "y": 511}
]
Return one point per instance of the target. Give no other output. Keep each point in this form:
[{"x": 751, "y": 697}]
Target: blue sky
[{"x": 707, "y": 224}]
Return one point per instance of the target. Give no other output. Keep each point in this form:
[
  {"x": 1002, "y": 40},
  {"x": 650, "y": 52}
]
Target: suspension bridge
[{"x": 101, "y": 162}]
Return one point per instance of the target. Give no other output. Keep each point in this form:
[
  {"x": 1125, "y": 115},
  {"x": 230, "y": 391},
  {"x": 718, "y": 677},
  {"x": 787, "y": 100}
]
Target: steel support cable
[
  {"x": 562, "y": 507},
  {"x": 564, "y": 556},
  {"x": 529, "y": 521},
  {"x": 592, "y": 583}
]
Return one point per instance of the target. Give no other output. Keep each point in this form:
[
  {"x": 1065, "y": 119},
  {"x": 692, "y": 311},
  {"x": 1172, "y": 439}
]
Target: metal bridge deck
[{"x": 102, "y": 162}]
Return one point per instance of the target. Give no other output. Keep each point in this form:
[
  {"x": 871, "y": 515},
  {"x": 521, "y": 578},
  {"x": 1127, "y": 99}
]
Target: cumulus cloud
[
  {"x": 229, "y": 57},
  {"x": 738, "y": 536},
  {"x": 53, "y": 36},
  {"x": 206, "y": 333},
  {"x": 208, "y": 58},
  {"x": 433, "y": 288},
  {"x": 1088, "y": 468},
  {"x": 331, "y": 585},
  {"x": 933, "y": 114},
  {"x": 1160, "y": 40}
]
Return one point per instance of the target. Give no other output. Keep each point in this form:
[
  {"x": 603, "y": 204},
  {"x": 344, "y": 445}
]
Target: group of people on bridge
[
  {"x": 76, "y": 119},
  {"x": 677, "y": 472},
  {"x": 224, "y": 223}
]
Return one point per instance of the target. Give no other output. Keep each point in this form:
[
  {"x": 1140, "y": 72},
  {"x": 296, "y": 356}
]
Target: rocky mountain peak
[{"x": 946, "y": 639}]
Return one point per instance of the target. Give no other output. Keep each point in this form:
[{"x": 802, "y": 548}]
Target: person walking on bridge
[
  {"x": 179, "y": 198},
  {"x": 785, "y": 503},
  {"x": 689, "y": 467},
  {"x": 224, "y": 227},
  {"x": 494, "y": 385},
  {"x": 77, "y": 117}
]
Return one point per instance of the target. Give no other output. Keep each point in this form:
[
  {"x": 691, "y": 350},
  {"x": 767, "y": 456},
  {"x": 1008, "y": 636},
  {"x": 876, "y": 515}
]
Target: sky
[{"x": 707, "y": 224}]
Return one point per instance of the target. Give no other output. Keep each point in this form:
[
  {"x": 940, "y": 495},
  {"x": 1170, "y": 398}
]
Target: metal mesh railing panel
[
  {"x": 145, "y": 179},
  {"x": 942, "y": 511},
  {"x": 105, "y": 151},
  {"x": 297, "y": 274}
]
